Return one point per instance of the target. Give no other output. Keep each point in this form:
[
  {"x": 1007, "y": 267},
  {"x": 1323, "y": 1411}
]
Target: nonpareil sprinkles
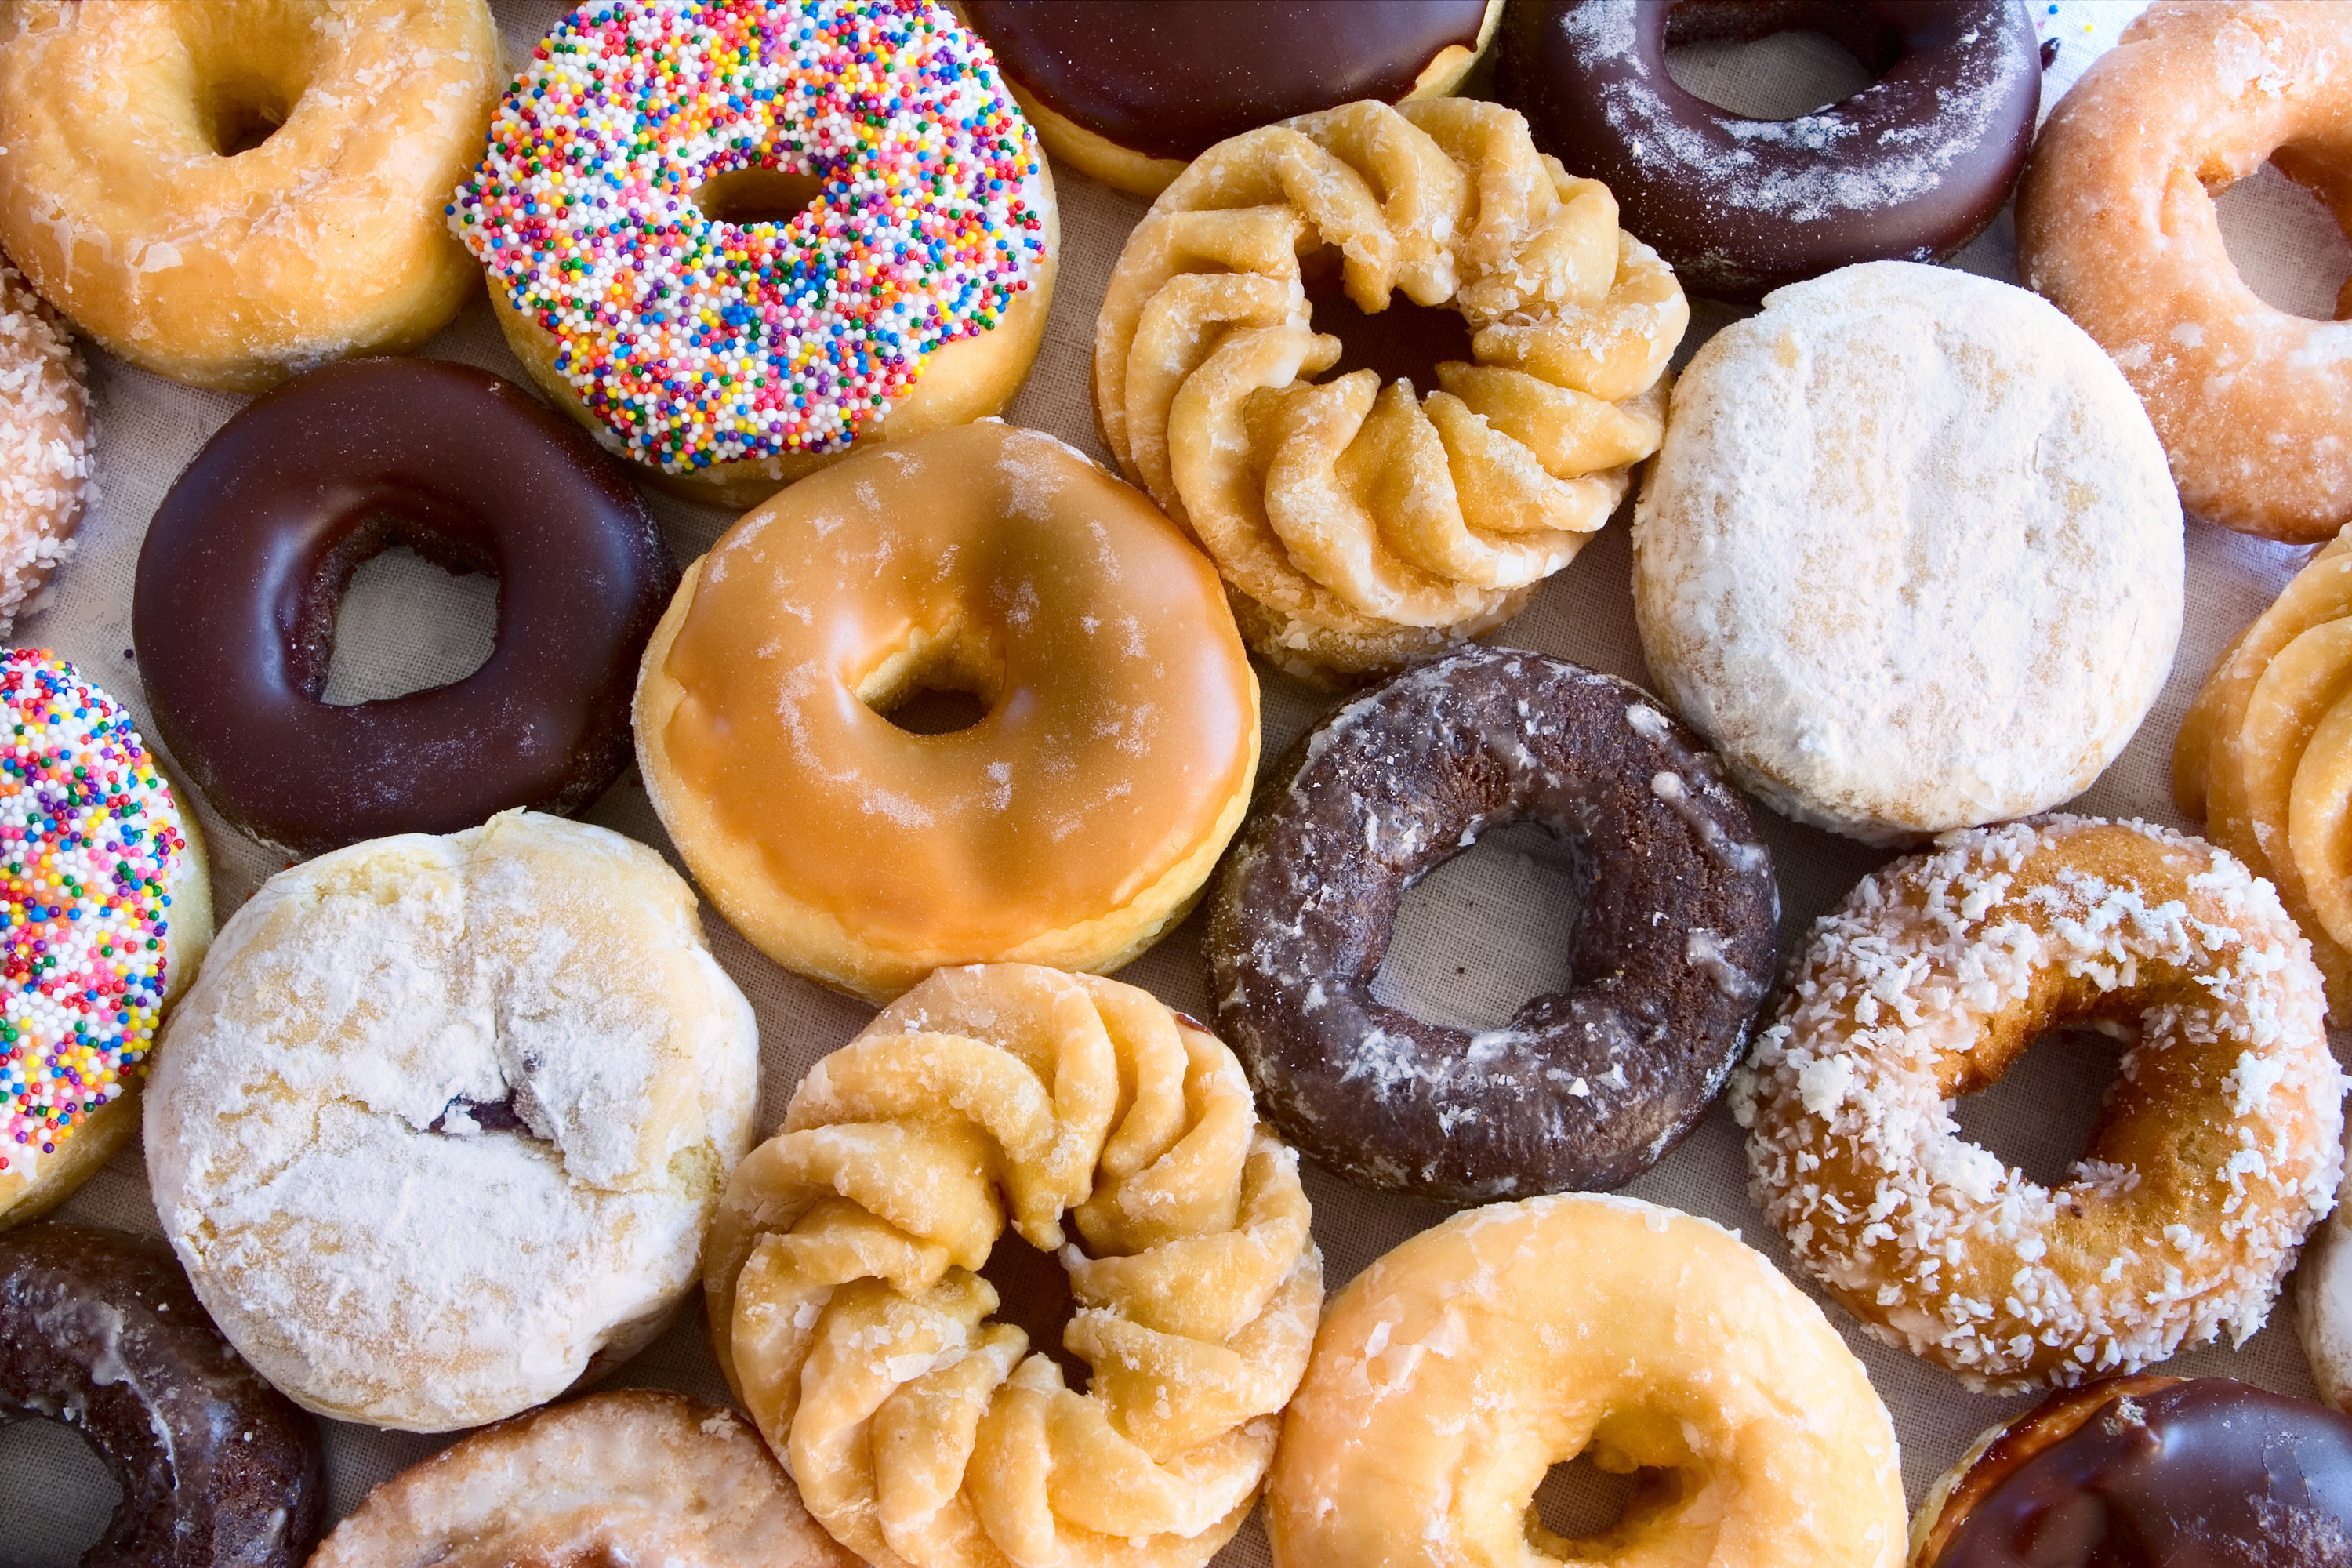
[
  {"x": 89, "y": 844},
  {"x": 698, "y": 341}
]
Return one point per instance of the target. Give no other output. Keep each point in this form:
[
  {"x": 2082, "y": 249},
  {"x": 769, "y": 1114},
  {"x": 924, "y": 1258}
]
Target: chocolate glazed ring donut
[
  {"x": 245, "y": 564},
  {"x": 2148, "y": 1472},
  {"x": 100, "y": 1331},
  {"x": 1669, "y": 951},
  {"x": 1912, "y": 167}
]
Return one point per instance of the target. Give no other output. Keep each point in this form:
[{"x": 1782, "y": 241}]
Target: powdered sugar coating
[
  {"x": 1909, "y": 555},
  {"x": 445, "y": 1118},
  {"x": 44, "y": 461},
  {"x": 2219, "y": 1146}
]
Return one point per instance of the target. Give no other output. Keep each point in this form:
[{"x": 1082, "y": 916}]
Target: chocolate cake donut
[
  {"x": 1913, "y": 166},
  {"x": 2148, "y": 1472},
  {"x": 100, "y": 1330},
  {"x": 243, "y": 568},
  {"x": 1132, "y": 90},
  {"x": 1670, "y": 950}
]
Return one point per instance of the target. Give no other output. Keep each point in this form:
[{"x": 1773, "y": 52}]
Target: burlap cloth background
[{"x": 1476, "y": 938}]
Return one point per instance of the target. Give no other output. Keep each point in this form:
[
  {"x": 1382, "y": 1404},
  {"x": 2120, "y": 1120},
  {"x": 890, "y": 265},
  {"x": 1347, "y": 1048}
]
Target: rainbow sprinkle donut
[
  {"x": 734, "y": 357},
  {"x": 104, "y": 910}
]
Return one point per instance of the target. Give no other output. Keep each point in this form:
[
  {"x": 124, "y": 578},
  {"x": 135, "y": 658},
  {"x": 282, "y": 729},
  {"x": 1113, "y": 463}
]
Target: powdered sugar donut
[
  {"x": 44, "y": 465},
  {"x": 440, "y": 1127},
  {"x": 1909, "y": 554},
  {"x": 2220, "y": 1145},
  {"x": 634, "y": 212},
  {"x": 2323, "y": 1301}
]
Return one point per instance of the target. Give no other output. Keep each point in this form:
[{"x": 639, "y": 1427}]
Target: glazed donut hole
[
  {"x": 936, "y": 682},
  {"x": 249, "y": 66},
  {"x": 2284, "y": 235}
]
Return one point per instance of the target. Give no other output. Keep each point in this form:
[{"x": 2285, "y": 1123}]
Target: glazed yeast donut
[
  {"x": 105, "y": 908},
  {"x": 1672, "y": 945},
  {"x": 1132, "y": 91},
  {"x": 631, "y": 1476},
  {"x": 636, "y": 211},
  {"x": 100, "y": 1331},
  {"x": 2264, "y": 757},
  {"x": 243, "y": 566},
  {"x": 1909, "y": 555},
  {"x": 439, "y": 1127},
  {"x": 2148, "y": 1472},
  {"x": 1363, "y": 528},
  {"x": 848, "y": 1317},
  {"x": 45, "y": 462},
  {"x": 2116, "y": 224},
  {"x": 134, "y": 195},
  {"x": 2219, "y": 1146},
  {"x": 1451, "y": 1375},
  {"x": 1071, "y": 824},
  {"x": 1913, "y": 167}
]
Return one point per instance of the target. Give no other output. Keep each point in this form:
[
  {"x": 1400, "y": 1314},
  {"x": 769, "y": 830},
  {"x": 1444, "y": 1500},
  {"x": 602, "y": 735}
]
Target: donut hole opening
[
  {"x": 1404, "y": 343},
  {"x": 2287, "y": 246},
  {"x": 939, "y": 683},
  {"x": 409, "y": 622},
  {"x": 2039, "y": 1115},
  {"x": 1588, "y": 1506},
  {"x": 51, "y": 1485},
  {"x": 1489, "y": 929},
  {"x": 243, "y": 112},
  {"x": 1776, "y": 59},
  {"x": 747, "y": 196},
  {"x": 1032, "y": 1294}
]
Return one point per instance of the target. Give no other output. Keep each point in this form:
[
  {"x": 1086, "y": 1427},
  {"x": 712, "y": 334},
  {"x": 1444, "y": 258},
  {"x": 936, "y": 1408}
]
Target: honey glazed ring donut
[
  {"x": 1670, "y": 952},
  {"x": 634, "y": 1476},
  {"x": 1071, "y": 824},
  {"x": 1911, "y": 168},
  {"x": 233, "y": 612},
  {"x": 129, "y": 199},
  {"x": 2219, "y": 1148},
  {"x": 1450, "y": 1376},
  {"x": 2146, "y": 1473},
  {"x": 1132, "y": 90},
  {"x": 849, "y": 1317},
  {"x": 730, "y": 358},
  {"x": 99, "y": 1329},
  {"x": 2116, "y": 225}
]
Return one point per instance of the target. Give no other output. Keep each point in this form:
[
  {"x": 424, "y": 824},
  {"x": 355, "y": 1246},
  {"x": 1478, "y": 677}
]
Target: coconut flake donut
[
  {"x": 105, "y": 910},
  {"x": 1453, "y": 1374},
  {"x": 439, "y": 1128},
  {"x": 2116, "y": 224},
  {"x": 45, "y": 462},
  {"x": 1129, "y": 92},
  {"x": 1071, "y": 824},
  {"x": 100, "y": 1331},
  {"x": 850, "y": 1319},
  {"x": 1909, "y": 555},
  {"x": 630, "y": 211},
  {"x": 2219, "y": 1146},
  {"x": 1913, "y": 166},
  {"x": 137, "y": 196},
  {"x": 636, "y": 1476},
  {"x": 1363, "y": 528}
]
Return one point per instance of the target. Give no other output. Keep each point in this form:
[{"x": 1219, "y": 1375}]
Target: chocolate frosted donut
[
  {"x": 245, "y": 564},
  {"x": 1669, "y": 951},
  {"x": 1913, "y": 166},
  {"x": 1132, "y": 90},
  {"x": 100, "y": 1330},
  {"x": 2149, "y": 1472}
]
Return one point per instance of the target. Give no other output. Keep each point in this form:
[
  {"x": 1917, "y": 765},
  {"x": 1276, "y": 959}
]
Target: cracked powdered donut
[
  {"x": 440, "y": 1126},
  {"x": 1669, "y": 951}
]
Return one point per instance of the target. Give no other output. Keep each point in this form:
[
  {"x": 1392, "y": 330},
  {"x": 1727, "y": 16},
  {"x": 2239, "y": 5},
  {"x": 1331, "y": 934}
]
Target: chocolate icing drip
[
  {"x": 2209, "y": 1473},
  {"x": 1173, "y": 80},
  {"x": 101, "y": 1332}
]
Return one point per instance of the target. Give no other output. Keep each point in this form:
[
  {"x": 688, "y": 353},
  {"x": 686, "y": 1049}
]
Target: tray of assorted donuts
[{"x": 1321, "y": 782}]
